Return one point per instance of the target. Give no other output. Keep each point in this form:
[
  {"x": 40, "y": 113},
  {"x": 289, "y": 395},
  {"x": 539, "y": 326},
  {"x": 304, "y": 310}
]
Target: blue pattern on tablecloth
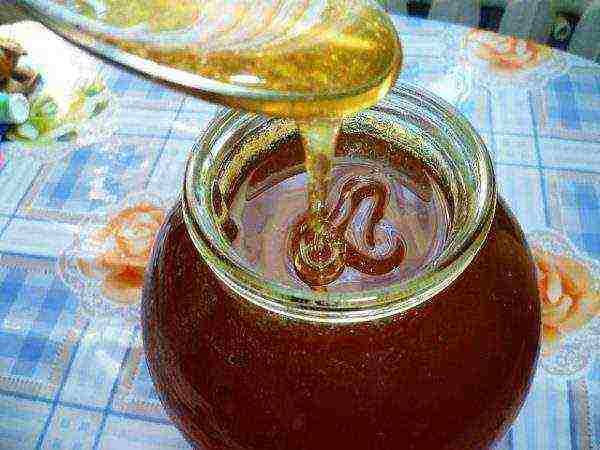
[
  {"x": 570, "y": 105},
  {"x": 125, "y": 83},
  {"x": 566, "y": 109},
  {"x": 587, "y": 198},
  {"x": 69, "y": 190},
  {"x": 476, "y": 108},
  {"x": 143, "y": 386},
  {"x": 72, "y": 428},
  {"x": 104, "y": 344},
  {"x": 61, "y": 190},
  {"x": 574, "y": 207},
  {"x": 594, "y": 382},
  {"x": 135, "y": 395},
  {"x": 21, "y": 422},
  {"x": 16, "y": 177},
  {"x": 37, "y": 313}
]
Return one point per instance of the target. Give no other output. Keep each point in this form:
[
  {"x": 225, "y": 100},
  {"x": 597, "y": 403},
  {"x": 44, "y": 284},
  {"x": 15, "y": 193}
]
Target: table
[{"x": 77, "y": 222}]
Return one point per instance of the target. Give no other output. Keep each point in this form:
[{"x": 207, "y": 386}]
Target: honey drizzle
[
  {"x": 321, "y": 259},
  {"x": 336, "y": 58}
]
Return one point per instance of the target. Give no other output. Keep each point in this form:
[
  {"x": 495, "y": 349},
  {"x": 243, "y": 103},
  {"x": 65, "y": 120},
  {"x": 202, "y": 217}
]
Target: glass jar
[{"x": 441, "y": 359}]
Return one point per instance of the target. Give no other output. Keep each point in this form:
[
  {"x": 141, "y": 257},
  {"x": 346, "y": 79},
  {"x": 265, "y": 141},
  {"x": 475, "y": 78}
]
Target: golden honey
[{"x": 323, "y": 61}]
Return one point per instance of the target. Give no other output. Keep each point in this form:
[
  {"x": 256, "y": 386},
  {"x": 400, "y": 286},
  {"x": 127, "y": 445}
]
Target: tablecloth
[{"x": 72, "y": 367}]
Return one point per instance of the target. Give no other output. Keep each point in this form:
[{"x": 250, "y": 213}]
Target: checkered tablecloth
[{"x": 72, "y": 368}]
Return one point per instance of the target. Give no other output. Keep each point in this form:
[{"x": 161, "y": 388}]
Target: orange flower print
[
  {"x": 124, "y": 245},
  {"x": 506, "y": 53},
  {"x": 568, "y": 299}
]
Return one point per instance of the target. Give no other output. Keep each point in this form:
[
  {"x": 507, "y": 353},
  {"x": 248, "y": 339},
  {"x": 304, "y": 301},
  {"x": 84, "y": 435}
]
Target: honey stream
[{"x": 316, "y": 61}]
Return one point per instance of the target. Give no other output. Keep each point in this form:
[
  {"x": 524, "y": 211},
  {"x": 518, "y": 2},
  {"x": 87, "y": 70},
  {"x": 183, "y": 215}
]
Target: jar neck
[{"x": 445, "y": 142}]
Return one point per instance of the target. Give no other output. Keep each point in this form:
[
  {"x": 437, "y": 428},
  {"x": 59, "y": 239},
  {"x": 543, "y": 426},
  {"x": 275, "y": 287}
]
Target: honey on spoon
[{"x": 315, "y": 62}]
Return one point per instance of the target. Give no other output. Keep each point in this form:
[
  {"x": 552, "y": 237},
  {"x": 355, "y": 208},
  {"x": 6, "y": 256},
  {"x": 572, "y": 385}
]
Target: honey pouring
[{"x": 315, "y": 62}]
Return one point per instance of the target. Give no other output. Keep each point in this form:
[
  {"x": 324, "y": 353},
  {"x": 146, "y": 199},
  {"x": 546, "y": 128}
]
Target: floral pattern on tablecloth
[
  {"x": 569, "y": 287},
  {"x": 105, "y": 263},
  {"x": 497, "y": 60}
]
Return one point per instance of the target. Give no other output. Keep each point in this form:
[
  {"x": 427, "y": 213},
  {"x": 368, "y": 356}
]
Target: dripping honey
[{"x": 316, "y": 71}]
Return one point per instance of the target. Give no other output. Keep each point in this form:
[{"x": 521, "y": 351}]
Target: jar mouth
[{"x": 439, "y": 136}]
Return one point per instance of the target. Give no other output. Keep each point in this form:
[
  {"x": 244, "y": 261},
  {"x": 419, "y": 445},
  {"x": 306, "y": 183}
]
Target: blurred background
[{"x": 571, "y": 25}]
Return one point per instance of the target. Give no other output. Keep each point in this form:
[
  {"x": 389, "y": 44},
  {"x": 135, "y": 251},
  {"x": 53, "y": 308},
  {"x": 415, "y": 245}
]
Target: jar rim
[{"x": 343, "y": 307}]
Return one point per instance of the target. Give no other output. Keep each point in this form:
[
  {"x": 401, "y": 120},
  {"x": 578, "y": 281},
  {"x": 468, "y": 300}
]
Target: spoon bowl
[{"x": 315, "y": 58}]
